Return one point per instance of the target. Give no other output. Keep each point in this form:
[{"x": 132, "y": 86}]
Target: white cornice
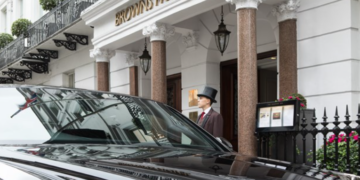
[{"x": 100, "y": 9}]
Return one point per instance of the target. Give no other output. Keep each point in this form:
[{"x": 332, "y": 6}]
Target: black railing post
[
  {"x": 358, "y": 132},
  {"x": 263, "y": 145},
  {"x": 347, "y": 130},
  {"x": 314, "y": 132},
  {"x": 285, "y": 149},
  {"x": 336, "y": 133},
  {"x": 304, "y": 132},
  {"x": 258, "y": 138},
  {"x": 276, "y": 146},
  {"x": 325, "y": 130},
  {"x": 268, "y": 145},
  {"x": 294, "y": 146}
]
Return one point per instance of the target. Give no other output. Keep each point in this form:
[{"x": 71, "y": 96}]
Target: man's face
[{"x": 203, "y": 102}]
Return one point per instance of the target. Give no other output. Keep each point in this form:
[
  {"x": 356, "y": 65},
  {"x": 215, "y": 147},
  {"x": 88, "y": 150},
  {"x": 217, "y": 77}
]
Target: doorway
[
  {"x": 174, "y": 91},
  {"x": 267, "y": 90}
]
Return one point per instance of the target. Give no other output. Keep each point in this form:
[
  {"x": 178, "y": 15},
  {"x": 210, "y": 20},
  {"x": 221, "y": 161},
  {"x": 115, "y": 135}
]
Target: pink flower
[
  {"x": 352, "y": 132},
  {"x": 302, "y": 105},
  {"x": 341, "y": 135},
  {"x": 298, "y": 98},
  {"x": 331, "y": 140},
  {"x": 340, "y": 140},
  {"x": 281, "y": 99},
  {"x": 290, "y": 97},
  {"x": 356, "y": 137}
]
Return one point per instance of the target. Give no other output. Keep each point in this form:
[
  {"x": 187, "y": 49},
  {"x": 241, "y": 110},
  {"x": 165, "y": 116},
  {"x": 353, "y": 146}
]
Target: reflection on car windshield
[{"x": 53, "y": 116}]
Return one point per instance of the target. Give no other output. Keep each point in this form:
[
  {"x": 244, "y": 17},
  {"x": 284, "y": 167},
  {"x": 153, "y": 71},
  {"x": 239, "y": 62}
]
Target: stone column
[
  {"x": 247, "y": 74},
  {"x": 9, "y": 14},
  {"x": 286, "y": 15},
  {"x": 158, "y": 33},
  {"x": 102, "y": 67},
  {"x": 131, "y": 60}
]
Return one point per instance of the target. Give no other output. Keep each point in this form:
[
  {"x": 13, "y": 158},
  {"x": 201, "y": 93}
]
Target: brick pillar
[
  {"x": 247, "y": 74},
  {"x": 158, "y": 33},
  {"x": 102, "y": 67},
  {"x": 134, "y": 81},
  {"x": 286, "y": 15}
]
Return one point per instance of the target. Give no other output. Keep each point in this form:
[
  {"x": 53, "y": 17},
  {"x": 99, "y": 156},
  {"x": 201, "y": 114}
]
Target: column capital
[
  {"x": 159, "y": 31},
  {"x": 190, "y": 39},
  {"x": 245, "y": 4},
  {"x": 286, "y": 10},
  {"x": 131, "y": 59},
  {"x": 102, "y": 55}
]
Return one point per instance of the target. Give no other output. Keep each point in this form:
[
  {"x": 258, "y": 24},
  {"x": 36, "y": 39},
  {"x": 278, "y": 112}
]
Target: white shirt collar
[{"x": 207, "y": 110}]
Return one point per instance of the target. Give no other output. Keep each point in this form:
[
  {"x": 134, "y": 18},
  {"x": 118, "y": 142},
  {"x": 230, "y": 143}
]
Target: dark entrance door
[
  {"x": 267, "y": 91},
  {"x": 174, "y": 91}
]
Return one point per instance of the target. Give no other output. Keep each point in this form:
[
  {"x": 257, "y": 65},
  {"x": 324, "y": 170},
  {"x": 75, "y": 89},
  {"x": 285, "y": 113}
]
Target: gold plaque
[
  {"x": 193, "y": 99},
  {"x": 193, "y": 116}
]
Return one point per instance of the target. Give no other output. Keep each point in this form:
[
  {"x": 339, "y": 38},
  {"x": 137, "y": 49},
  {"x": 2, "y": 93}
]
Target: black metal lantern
[
  {"x": 222, "y": 35},
  {"x": 145, "y": 60}
]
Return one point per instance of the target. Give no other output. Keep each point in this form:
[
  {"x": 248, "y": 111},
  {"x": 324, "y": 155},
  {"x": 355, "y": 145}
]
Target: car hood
[{"x": 147, "y": 162}]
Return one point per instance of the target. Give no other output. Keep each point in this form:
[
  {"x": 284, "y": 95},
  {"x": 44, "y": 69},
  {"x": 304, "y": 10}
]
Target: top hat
[{"x": 210, "y": 93}]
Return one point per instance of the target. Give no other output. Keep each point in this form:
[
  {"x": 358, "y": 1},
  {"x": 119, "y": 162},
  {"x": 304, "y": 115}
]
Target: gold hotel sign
[{"x": 135, "y": 10}]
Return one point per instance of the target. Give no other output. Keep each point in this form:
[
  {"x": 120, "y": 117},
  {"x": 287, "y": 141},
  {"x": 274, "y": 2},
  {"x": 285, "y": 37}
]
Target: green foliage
[
  {"x": 5, "y": 39},
  {"x": 48, "y": 5},
  {"x": 295, "y": 96},
  {"x": 330, "y": 153},
  {"x": 20, "y": 26}
]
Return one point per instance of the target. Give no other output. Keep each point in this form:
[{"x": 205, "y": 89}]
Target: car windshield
[{"x": 65, "y": 116}]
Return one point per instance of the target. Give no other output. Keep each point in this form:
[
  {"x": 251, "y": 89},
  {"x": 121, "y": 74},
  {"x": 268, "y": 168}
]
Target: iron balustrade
[
  {"x": 65, "y": 14},
  {"x": 264, "y": 139}
]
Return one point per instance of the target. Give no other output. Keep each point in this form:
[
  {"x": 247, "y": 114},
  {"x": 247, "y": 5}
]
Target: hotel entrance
[{"x": 267, "y": 90}]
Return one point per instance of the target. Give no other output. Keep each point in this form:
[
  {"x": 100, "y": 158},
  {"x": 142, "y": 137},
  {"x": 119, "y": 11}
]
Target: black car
[{"x": 58, "y": 133}]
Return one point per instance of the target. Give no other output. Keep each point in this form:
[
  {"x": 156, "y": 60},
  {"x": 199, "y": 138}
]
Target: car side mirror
[{"x": 225, "y": 142}]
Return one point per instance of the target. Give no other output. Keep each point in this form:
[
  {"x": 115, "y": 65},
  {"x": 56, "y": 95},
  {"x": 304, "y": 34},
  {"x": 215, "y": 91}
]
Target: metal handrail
[{"x": 62, "y": 16}]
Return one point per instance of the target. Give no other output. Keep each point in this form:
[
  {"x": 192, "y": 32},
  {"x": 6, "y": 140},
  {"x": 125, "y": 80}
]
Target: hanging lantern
[
  {"x": 145, "y": 60},
  {"x": 222, "y": 35}
]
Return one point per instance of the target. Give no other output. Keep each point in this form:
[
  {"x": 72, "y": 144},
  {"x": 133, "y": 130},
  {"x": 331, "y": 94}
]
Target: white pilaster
[
  {"x": 286, "y": 10},
  {"x": 245, "y": 4},
  {"x": 158, "y": 31},
  {"x": 102, "y": 55}
]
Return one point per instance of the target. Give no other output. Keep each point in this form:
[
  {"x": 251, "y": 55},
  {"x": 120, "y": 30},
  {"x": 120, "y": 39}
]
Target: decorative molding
[
  {"x": 132, "y": 59},
  {"x": 81, "y": 39},
  {"x": 286, "y": 10},
  {"x": 245, "y": 4},
  {"x": 18, "y": 74},
  {"x": 6, "y": 80},
  {"x": 159, "y": 31},
  {"x": 102, "y": 55},
  {"x": 41, "y": 57},
  {"x": 67, "y": 44},
  {"x": 51, "y": 53},
  {"x": 38, "y": 67},
  {"x": 190, "y": 40}
]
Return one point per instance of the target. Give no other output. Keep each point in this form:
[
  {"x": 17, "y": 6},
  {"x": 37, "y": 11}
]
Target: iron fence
[
  {"x": 64, "y": 15},
  {"x": 271, "y": 143}
]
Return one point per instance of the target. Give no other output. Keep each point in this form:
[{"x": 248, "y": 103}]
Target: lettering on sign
[{"x": 135, "y": 10}]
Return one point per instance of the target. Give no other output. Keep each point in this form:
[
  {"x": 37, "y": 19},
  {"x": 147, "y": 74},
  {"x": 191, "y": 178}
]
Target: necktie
[{"x": 201, "y": 118}]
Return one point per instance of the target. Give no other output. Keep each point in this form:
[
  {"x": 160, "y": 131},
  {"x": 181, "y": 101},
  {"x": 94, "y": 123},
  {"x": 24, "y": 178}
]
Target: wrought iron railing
[
  {"x": 62, "y": 16},
  {"x": 343, "y": 134}
]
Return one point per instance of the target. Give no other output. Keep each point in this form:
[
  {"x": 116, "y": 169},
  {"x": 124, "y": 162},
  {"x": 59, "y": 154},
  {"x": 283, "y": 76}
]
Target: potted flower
[
  {"x": 20, "y": 26},
  {"x": 5, "y": 39},
  {"x": 295, "y": 96},
  {"x": 48, "y": 5},
  {"x": 330, "y": 153}
]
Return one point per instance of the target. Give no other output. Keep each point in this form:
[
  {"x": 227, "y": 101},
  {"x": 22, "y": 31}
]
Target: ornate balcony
[{"x": 61, "y": 17}]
